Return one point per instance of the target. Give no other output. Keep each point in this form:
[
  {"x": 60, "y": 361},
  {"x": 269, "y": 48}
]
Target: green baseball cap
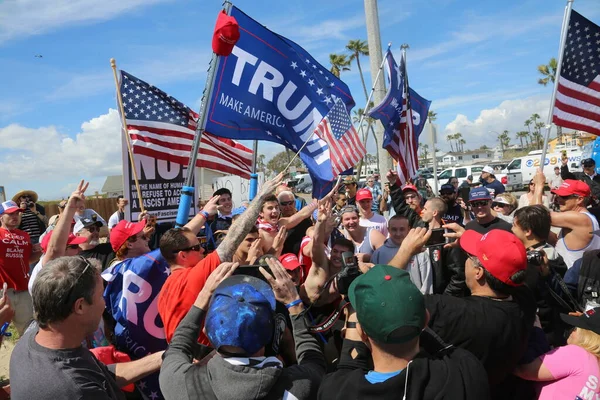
[{"x": 389, "y": 307}]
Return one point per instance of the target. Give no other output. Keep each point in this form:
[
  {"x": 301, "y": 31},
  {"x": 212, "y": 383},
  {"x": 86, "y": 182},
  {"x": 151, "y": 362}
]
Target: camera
[
  {"x": 348, "y": 273},
  {"x": 535, "y": 257}
]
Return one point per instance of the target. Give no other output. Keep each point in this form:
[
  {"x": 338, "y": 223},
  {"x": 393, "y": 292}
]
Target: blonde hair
[
  {"x": 588, "y": 340},
  {"x": 512, "y": 200}
]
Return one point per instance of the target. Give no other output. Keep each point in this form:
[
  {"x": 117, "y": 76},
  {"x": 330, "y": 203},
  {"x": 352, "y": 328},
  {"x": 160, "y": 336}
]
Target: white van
[{"x": 522, "y": 169}]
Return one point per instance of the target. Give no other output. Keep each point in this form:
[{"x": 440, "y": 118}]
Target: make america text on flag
[
  {"x": 345, "y": 147},
  {"x": 163, "y": 128},
  {"x": 577, "y": 103}
]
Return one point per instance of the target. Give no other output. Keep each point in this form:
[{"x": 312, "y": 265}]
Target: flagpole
[
  {"x": 254, "y": 175},
  {"x": 362, "y": 117},
  {"x": 113, "y": 64},
  {"x": 187, "y": 191},
  {"x": 563, "y": 37},
  {"x": 409, "y": 120},
  {"x": 298, "y": 152}
]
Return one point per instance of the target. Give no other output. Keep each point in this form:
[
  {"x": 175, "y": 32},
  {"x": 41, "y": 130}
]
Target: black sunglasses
[
  {"x": 70, "y": 292},
  {"x": 195, "y": 247},
  {"x": 480, "y": 203},
  {"x": 72, "y": 246},
  {"x": 286, "y": 203},
  {"x": 570, "y": 196},
  {"x": 495, "y": 204}
]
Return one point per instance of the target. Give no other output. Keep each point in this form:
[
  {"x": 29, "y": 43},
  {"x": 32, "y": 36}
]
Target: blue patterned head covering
[{"x": 240, "y": 314}]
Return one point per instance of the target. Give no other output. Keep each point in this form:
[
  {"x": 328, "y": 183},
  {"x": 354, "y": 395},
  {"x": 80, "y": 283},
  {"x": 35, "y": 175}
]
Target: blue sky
[{"x": 475, "y": 60}]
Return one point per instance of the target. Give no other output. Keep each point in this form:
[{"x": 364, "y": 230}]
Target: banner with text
[{"x": 160, "y": 184}]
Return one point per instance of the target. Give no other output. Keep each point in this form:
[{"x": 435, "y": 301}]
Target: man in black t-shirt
[
  {"x": 480, "y": 201},
  {"x": 287, "y": 204},
  {"x": 454, "y": 212},
  {"x": 495, "y": 321},
  {"x": 90, "y": 229}
]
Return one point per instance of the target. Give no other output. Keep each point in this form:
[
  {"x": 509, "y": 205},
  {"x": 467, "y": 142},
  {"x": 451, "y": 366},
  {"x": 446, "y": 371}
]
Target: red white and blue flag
[
  {"x": 345, "y": 147},
  {"x": 162, "y": 127},
  {"x": 577, "y": 103}
]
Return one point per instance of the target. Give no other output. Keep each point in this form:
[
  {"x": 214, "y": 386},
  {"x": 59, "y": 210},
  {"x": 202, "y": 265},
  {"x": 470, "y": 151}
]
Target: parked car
[{"x": 304, "y": 184}]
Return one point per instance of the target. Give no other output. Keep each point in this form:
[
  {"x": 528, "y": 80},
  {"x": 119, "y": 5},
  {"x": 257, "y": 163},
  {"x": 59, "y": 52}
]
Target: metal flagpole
[
  {"x": 113, "y": 64},
  {"x": 433, "y": 134},
  {"x": 409, "y": 120},
  {"x": 187, "y": 191},
  {"x": 254, "y": 175},
  {"x": 563, "y": 38}
]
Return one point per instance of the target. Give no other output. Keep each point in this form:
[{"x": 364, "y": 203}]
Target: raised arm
[
  {"x": 240, "y": 228},
  {"x": 58, "y": 242},
  {"x": 196, "y": 224},
  {"x": 319, "y": 271},
  {"x": 306, "y": 212},
  {"x": 399, "y": 203},
  {"x": 411, "y": 245},
  {"x": 540, "y": 181},
  {"x": 129, "y": 372},
  {"x": 564, "y": 169}
]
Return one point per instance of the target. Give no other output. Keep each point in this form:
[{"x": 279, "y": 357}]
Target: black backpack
[{"x": 588, "y": 286}]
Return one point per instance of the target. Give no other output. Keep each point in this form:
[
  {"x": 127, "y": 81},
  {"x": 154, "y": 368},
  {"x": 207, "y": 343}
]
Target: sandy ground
[{"x": 6, "y": 349}]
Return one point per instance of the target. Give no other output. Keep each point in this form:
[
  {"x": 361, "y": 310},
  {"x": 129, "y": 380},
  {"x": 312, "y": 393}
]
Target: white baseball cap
[{"x": 488, "y": 169}]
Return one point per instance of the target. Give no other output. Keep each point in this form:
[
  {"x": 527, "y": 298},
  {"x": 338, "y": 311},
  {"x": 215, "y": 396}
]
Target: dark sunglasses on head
[
  {"x": 495, "y": 204},
  {"x": 479, "y": 203},
  {"x": 70, "y": 292},
  {"x": 286, "y": 203},
  {"x": 195, "y": 247}
]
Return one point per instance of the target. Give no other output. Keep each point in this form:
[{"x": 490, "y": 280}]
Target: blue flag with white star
[{"x": 270, "y": 88}]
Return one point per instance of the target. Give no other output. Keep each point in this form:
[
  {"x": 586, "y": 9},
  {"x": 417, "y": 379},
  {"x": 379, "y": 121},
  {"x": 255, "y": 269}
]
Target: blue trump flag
[
  {"x": 270, "y": 88},
  {"x": 131, "y": 297}
]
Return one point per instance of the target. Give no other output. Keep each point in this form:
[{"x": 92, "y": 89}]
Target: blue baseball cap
[
  {"x": 447, "y": 187},
  {"x": 241, "y": 314},
  {"x": 479, "y": 193}
]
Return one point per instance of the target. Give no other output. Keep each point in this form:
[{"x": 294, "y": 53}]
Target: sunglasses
[
  {"x": 570, "y": 196},
  {"x": 502, "y": 205},
  {"x": 70, "y": 292},
  {"x": 195, "y": 247},
  {"x": 72, "y": 246},
  {"x": 286, "y": 203},
  {"x": 134, "y": 239},
  {"x": 480, "y": 203},
  {"x": 450, "y": 193}
]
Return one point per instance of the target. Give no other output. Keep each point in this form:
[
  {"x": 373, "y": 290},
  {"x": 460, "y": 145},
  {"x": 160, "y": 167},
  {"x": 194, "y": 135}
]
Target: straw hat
[{"x": 34, "y": 195}]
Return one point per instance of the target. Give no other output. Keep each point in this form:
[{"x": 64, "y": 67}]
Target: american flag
[
  {"x": 578, "y": 95},
  {"x": 345, "y": 147},
  {"x": 402, "y": 141},
  {"x": 163, "y": 128}
]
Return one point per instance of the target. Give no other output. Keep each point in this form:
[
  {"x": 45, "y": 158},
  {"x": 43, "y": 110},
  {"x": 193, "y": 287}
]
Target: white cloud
[
  {"x": 508, "y": 115},
  {"x": 45, "y": 156},
  {"x": 20, "y": 18}
]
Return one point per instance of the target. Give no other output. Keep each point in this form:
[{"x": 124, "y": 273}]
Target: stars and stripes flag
[
  {"x": 401, "y": 104},
  {"x": 162, "y": 127},
  {"x": 345, "y": 147},
  {"x": 577, "y": 103}
]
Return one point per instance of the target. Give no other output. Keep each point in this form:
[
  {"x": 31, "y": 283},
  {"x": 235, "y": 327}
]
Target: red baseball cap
[
  {"x": 408, "y": 186},
  {"x": 570, "y": 187},
  {"x": 290, "y": 261},
  {"x": 500, "y": 252},
  {"x": 71, "y": 240},
  {"x": 226, "y": 35},
  {"x": 364, "y": 194},
  {"x": 124, "y": 230}
]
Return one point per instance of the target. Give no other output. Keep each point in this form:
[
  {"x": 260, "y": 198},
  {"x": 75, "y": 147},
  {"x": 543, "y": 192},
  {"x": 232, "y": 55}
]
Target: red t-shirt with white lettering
[
  {"x": 15, "y": 250},
  {"x": 179, "y": 293}
]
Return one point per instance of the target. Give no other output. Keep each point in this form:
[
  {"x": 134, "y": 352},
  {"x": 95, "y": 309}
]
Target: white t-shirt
[
  {"x": 377, "y": 222},
  {"x": 113, "y": 220},
  {"x": 36, "y": 270}
]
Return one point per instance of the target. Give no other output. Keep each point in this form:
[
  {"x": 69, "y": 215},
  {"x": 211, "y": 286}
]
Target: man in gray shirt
[
  {"x": 49, "y": 362},
  {"x": 239, "y": 323}
]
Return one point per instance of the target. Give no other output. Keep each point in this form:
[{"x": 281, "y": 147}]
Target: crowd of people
[{"x": 385, "y": 291}]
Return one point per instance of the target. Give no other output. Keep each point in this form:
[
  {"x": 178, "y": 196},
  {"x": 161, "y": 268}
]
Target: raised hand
[
  {"x": 269, "y": 187},
  {"x": 212, "y": 206},
  {"x": 279, "y": 240},
  {"x": 392, "y": 176},
  {"x": 539, "y": 178},
  {"x": 415, "y": 240},
  {"x": 77, "y": 198},
  {"x": 456, "y": 233},
  {"x": 284, "y": 289},
  {"x": 255, "y": 251},
  {"x": 222, "y": 272}
]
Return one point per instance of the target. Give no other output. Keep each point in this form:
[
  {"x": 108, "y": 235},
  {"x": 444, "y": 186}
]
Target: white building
[{"x": 479, "y": 156}]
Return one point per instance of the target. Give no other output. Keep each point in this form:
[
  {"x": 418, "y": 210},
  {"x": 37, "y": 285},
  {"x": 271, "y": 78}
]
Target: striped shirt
[{"x": 31, "y": 224}]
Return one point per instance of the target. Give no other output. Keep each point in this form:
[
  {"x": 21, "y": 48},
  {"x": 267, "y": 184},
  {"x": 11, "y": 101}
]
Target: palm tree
[
  {"x": 424, "y": 152},
  {"x": 359, "y": 48},
  {"x": 457, "y": 139},
  {"x": 504, "y": 140},
  {"x": 549, "y": 76},
  {"x": 528, "y": 125},
  {"x": 339, "y": 63},
  {"x": 449, "y": 138},
  {"x": 432, "y": 115},
  {"x": 548, "y": 72},
  {"x": 462, "y": 142},
  {"x": 520, "y": 135}
]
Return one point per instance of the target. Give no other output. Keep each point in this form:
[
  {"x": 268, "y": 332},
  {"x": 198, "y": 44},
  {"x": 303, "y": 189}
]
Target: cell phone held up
[
  {"x": 437, "y": 237},
  {"x": 348, "y": 273}
]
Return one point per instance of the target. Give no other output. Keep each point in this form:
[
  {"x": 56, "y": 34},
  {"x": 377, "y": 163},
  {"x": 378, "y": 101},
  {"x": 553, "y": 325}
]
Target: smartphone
[{"x": 437, "y": 237}]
